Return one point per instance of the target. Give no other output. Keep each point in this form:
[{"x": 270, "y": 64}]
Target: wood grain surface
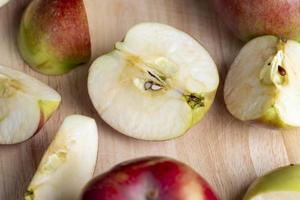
[{"x": 228, "y": 153}]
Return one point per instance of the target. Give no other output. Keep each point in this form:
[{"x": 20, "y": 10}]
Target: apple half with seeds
[
  {"x": 263, "y": 83},
  {"x": 281, "y": 184},
  {"x": 3, "y": 2},
  {"x": 154, "y": 85},
  {"x": 25, "y": 105},
  {"x": 68, "y": 163}
]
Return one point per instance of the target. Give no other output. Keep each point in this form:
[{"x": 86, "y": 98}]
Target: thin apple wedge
[
  {"x": 263, "y": 83},
  {"x": 155, "y": 85},
  {"x": 280, "y": 184},
  {"x": 25, "y": 105},
  {"x": 68, "y": 163}
]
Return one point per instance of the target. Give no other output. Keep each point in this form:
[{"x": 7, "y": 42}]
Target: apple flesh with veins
[
  {"x": 3, "y": 2},
  {"x": 251, "y": 18},
  {"x": 263, "y": 83},
  {"x": 68, "y": 163},
  {"x": 280, "y": 184},
  {"x": 26, "y": 104},
  {"x": 155, "y": 85},
  {"x": 152, "y": 178},
  {"x": 54, "y": 36}
]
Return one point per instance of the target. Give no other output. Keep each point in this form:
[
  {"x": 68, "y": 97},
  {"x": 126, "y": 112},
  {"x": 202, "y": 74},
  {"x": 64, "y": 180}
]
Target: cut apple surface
[
  {"x": 281, "y": 184},
  {"x": 68, "y": 163},
  {"x": 263, "y": 83},
  {"x": 155, "y": 85},
  {"x": 3, "y": 2},
  {"x": 25, "y": 105}
]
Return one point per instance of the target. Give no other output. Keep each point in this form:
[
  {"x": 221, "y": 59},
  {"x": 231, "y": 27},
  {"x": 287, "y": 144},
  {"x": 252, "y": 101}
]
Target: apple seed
[{"x": 281, "y": 70}]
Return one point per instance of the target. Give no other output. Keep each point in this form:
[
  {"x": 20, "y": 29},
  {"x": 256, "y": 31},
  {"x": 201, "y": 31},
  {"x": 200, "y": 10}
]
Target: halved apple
[
  {"x": 155, "y": 85},
  {"x": 281, "y": 184},
  {"x": 263, "y": 83},
  {"x": 25, "y": 105},
  {"x": 3, "y": 2},
  {"x": 68, "y": 163}
]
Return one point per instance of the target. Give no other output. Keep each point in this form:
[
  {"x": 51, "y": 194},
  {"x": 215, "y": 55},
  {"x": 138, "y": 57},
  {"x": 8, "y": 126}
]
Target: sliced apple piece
[
  {"x": 263, "y": 83},
  {"x": 281, "y": 184},
  {"x": 68, "y": 163},
  {"x": 155, "y": 85},
  {"x": 25, "y": 105},
  {"x": 3, "y": 2}
]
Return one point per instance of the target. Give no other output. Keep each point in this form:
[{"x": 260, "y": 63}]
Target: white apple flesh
[
  {"x": 280, "y": 184},
  {"x": 3, "y": 2},
  {"x": 68, "y": 163},
  {"x": 25, "y": 105},
  {"x": 263, "y": 83},
  {"x": 155, "y": 85}
]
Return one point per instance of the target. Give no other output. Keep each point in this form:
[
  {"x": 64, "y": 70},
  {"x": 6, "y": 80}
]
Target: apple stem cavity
[
  {"x": 195, "y": 101},
  {"x": 152, "y": 195}
]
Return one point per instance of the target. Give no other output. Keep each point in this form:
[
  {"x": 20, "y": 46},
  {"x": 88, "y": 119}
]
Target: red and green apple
[
  {"x": 54, "y": 35},
  {"x": 152, "y": 178},
  {"x": 251, "y": 18}
]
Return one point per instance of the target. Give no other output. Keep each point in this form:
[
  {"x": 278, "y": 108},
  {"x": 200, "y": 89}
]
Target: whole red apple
[
  {"x": 152, "y": 178},
  {"x": 251, "y": 18}
]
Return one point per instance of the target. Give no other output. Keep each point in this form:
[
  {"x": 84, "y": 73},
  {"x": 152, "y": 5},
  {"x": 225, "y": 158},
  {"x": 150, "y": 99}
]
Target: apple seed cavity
[
  {"x": 8, "y": 86},
  {"x": 152, "y": 195},
  {"x": 273, "y": 72}
]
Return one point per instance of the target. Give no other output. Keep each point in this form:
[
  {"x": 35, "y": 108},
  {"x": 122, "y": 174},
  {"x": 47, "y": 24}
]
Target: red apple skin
[
  {"x": 251, "y": 18},
  {"x": 152, "y": 178},
  {"x": 54, "y": 35}
]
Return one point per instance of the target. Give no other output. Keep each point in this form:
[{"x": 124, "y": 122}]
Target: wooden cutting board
[{"x": 228, "y": 153}]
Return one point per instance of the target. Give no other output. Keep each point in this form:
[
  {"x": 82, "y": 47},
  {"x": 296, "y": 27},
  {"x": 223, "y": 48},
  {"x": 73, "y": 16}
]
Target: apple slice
[
  {"x": 25, "y": 105},
  {"x": 281, "y": 184},
  {"x": 68, "y": 163},
  {"x": 3, "y": 2},
  {"x": 263, "y": 83},
  {"x": 155, "y": 85}
]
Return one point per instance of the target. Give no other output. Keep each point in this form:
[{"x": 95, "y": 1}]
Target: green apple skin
[
  {"x": 285, "y": 179},
  {"x": 251, "y": 18},
  {"x": 47, "y": 109},
  {"x": 272, "y": 119},
  {"x": 54, "y": 36}
]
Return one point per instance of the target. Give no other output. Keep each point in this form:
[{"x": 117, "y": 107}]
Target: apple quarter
[{"x": 263, "y": 83}]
